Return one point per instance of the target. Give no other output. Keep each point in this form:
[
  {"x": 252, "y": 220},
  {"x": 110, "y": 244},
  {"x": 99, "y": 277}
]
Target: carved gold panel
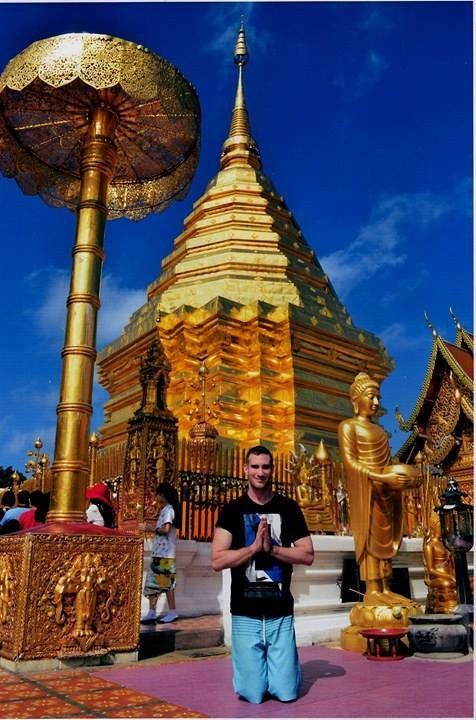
[{"x": 69, "y": 595}]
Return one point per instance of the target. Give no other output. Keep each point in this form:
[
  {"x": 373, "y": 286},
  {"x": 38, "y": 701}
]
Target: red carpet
[{"x": 336, "y": 684}]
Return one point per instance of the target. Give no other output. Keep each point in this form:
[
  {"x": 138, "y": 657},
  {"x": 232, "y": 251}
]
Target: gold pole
[{"x": 71, "y": 464}]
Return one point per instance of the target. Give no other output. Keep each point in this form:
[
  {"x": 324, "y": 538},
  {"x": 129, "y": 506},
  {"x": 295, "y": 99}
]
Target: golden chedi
[
  {"x": 244, "y": 288},
  {"x": 375, "y": 489}
]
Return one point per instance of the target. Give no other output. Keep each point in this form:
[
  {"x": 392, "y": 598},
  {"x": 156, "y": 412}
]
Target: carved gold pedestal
[
  {"x": 69, "y": 592},
  {"x": 364, "y": 616}
]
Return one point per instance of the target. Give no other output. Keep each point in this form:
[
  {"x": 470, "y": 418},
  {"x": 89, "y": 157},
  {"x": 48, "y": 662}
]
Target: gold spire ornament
[
  {"x": 107, "y": 128},
  {"x": 239, "y": 138},
  {"x": 203, "y": 435}
]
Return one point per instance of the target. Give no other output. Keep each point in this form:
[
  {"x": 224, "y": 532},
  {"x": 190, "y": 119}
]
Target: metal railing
[{"x": 201, "y": 497}]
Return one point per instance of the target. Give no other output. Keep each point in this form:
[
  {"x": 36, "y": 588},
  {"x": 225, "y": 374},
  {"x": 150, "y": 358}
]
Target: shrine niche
[
  {"x": 312, "y": 476},
  {"x": 442, "y": 421},
  {"x": 151, "y": 450}
]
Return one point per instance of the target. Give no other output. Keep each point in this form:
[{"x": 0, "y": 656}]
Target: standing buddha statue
[{"x": 375, "y": 488}]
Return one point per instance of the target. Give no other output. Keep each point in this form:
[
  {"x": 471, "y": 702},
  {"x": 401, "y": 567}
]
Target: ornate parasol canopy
[{"x": 47, "y": 94}]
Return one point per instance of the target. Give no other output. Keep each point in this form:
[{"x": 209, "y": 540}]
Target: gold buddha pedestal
[
  {"x": 108, "y": 129},
  {"x": 376, "y": 514},
  {"x": 68, "y": 594}
]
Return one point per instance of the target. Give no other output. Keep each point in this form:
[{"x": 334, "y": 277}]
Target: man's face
[
  {"x": 259, "y": 470},
  {"x": 368, "y": 402}
]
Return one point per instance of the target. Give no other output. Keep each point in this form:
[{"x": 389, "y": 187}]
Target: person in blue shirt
[{"x": 23, "y": 504}]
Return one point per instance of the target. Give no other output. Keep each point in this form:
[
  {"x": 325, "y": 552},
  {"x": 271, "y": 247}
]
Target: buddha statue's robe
[{"x": 376, "y": 512}]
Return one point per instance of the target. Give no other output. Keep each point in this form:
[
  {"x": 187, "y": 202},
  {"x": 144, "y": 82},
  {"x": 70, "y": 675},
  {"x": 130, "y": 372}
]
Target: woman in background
[
  {"x": 100, "y": 510},
  {"x": 161, "y": 574}
]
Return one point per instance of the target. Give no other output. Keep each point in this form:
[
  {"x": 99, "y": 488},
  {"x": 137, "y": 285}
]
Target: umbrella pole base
[{"x": 69, "y": 599}]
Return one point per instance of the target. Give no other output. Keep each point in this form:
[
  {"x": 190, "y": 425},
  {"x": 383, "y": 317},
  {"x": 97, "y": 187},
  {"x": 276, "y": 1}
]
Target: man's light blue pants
[{"x": 264, "y": 658}]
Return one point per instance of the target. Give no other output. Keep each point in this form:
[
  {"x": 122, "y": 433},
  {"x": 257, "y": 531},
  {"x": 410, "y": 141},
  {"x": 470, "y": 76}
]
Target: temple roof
[
  {"x": 446, "y": 358},
  {"x": 461, "y": 362}
]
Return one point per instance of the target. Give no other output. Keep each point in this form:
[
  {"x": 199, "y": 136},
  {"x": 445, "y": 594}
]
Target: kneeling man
[{"x": 260, "y": 536}]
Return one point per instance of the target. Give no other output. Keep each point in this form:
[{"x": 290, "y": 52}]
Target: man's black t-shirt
[{"x": 261, "y": 587}]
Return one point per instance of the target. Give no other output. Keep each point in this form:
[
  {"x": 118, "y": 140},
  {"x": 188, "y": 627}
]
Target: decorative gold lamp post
[
  {"x": 93, "y": 457},
  {"x": 37, "y": 465},
  {"x": 15, "y": 482},
  {"x": 106, "y": 128}
]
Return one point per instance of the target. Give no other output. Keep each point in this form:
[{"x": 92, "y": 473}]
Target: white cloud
[
  {"x": 375, "y": 18},
  {"x": 50, "y": 315},
  {"x": 397, "y": 336},
  {"x": 377, "y": 245},
  {"x": 369, "y": 75},
  {"x": 366, "y": 75},
  {"x": 19, "y": 443},
  {"x": 462, "y": 197},
  {"x": 117, "y": 305},
  {"x": 32, "y": 396}
]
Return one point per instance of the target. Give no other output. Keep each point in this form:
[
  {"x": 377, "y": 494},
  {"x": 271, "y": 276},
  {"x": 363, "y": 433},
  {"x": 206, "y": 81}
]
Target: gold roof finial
[
  {"x": 432, "y": 327},
  {"x": 419, "y": 458},
  {"x": 239, "y": 144},
  {"x": 400, "y": 418},
  {"x": 455, "y": 319}
]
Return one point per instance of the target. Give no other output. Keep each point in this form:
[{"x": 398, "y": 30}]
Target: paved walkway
[
  {"x": 336, "y": 684},
  {"x": 193, "y": 681}
]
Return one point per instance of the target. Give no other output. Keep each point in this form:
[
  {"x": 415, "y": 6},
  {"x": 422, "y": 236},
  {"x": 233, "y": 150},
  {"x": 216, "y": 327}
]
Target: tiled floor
[
  {"x": 78, "y": 694},
  {"x": 196, "y": 682}
]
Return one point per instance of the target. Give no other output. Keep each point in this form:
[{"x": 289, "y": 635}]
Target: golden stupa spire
[{"x": 239, "y": 144}]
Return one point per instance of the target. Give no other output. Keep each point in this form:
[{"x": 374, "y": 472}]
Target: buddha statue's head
[{"x": 365, "y": 395}]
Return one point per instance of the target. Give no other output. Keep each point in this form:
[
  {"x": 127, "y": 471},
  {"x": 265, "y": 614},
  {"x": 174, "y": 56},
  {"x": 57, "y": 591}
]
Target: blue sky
[{"x": 363, "y": 115}]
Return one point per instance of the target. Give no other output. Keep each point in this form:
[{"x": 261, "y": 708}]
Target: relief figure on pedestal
[
  {"x": 6, "y": 587},
  {"x": 134, "y": 462},
  {"x": 159, "y": 454},
  {"x": 76, "y": 599},
  {"x": 375, "y": 490}
]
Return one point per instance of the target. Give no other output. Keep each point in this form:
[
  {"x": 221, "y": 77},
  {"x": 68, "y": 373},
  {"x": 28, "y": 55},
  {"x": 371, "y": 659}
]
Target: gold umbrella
[
  {"x": 49, "y": 93},
  {"x": 107, "y": 128}
]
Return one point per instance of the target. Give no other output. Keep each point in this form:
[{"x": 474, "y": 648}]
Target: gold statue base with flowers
[
  {"x": 69, "y": 591},
  {"x": 363, "y": 617}
]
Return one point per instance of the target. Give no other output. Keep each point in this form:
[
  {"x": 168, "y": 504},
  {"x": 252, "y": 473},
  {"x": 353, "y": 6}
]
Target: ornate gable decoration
[{"x": 445, "y": 400}]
